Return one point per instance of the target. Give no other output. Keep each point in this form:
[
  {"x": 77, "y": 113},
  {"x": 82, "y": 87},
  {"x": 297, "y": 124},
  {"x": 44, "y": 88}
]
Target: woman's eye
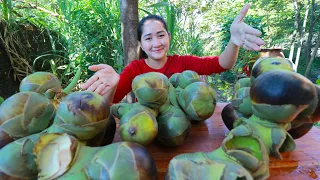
[
  {"x": 161, "y": 35},
  {"x": 148, "y": 39}
]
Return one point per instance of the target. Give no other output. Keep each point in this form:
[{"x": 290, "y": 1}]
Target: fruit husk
[
  {"x": 173, "y": 127},
  {"x": 198, "y": 101},
  {"x": 23, "y": 114},
  {"x": 151, "y": 89},
  {"x": 44, "y": 83},
  {"x": 123, "y": 160}
]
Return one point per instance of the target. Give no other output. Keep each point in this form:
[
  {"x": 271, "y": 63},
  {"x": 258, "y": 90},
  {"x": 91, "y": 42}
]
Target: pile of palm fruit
[
  {"x": 165, "y": 108},
  {"x": 268, "y": 111},
  {"x": 46, "y": 134}
]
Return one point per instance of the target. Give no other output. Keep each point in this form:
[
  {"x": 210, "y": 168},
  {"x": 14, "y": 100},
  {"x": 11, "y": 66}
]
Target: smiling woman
[{"x": 154, "y": 41}]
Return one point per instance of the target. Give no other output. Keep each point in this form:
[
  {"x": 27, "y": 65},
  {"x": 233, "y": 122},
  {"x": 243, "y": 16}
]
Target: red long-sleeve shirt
[{"x": 175, "y": 64}]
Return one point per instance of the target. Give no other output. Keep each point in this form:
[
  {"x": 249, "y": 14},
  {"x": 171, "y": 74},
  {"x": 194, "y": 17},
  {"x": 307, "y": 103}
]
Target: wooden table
[{"x": 303, "y": 163}]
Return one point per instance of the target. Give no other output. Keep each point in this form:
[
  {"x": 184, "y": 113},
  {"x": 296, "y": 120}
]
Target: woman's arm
[{"x": 242, "y": 35}]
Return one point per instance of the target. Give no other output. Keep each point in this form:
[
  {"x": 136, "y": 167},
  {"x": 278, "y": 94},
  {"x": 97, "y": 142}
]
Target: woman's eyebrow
[{"x": 151, "y": 33}]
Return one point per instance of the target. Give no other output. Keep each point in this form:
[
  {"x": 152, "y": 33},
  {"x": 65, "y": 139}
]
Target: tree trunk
[
  {"x": 129, "y": 24},
  {"x": 302, "y": 32},
  {"x": 296, "y": 27},
  {"x": 307, "y": 73},
  {"x": 310, "y": 34}
]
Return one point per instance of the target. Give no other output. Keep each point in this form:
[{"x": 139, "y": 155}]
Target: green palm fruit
[
  {"x": 265, "y": 64},
  {"x": 279, "y": 96},
  {"x": 243, "y": 82},
  {"x": 241, "y": 155},
  {"x": 187, "y": 77},
  {"x": 174, "y": 79},
  {"x": 41, "y": 82},
  {"x": 23, "y": 114},
  {"x": 241, "y": 101},
  {"x": 138, "y": 125},
  {"x": 119, "y": 109},
  {"x": 61, "y": 156},
  {"x": 173, "y": 126},
  {"x": 198, "y": 101},
  {"x": 84, "y": 115},
  {"x": 151, "y": 89}
]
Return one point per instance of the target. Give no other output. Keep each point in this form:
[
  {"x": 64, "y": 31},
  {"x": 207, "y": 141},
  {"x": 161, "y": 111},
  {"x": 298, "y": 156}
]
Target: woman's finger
[
  {"x": 251, "y": 46},
  {"x": 98, "y": 67},
  {"x": 242, "y": 13},
  {"x": 254, "y": 39},
  {"x": 90, "y": 81},
  {"x": 100, "y": 88},
  {"x": 94, "y": 86},
  {"x": 250, "y": 30}
]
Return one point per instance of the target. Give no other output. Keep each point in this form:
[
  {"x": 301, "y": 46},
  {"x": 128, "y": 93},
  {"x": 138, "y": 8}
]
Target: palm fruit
[
  {"x": 229, "y": 115},
  {"x": 60, "y": 156},
  {"x": 241, "y": 101},
  {"x": 198, "y": 101},
  {"x": 279, "y": 96},
  {"x": 23, "y": 114},
  {"x": 265, "y": 64},
  {"x": 303, "y": 123},
  {"x": 243, "y": 82},
  {"x": 151, "y": 89},
  {"x": 41, "y": 82},
  {"x": 139, "y": 125},
  {"x": 79, "y": 113},
  {"x": 173, "y": 126},
  {"x": 241, "y": 156},
  {"x": 84, "y": 115},
  {"x": 174, "y": 79},
  {"x": 119, "y": 109},
  {"x": 187, "y": 77}
]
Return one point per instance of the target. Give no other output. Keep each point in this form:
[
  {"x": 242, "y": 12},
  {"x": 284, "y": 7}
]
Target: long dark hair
[{"x": 141, "y": 53}]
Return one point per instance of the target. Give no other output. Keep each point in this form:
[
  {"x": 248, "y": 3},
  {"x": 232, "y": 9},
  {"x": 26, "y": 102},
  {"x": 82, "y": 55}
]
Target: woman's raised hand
[
  {"x": 104, "y": 80},
  {"x": 243, "y": 35}
]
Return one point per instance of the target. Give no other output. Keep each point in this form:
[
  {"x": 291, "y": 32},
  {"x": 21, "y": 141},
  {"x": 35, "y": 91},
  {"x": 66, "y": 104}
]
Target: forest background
[{"x": 65, "y": 36}]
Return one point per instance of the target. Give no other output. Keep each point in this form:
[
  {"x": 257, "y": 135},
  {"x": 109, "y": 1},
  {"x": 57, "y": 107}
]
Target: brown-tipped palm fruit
[
  {"x": 173, "y": 127},
  {"x": 241, "y": 101},
  {"x": 279, "y": 96},
  {"x": 243, "y": 82},
  {"x": 151, "y": 89},
  {"x": 265, "y": 64},
  {"x": 41, "y": 82},
  {"x": 82, "y": 114},
  {"x": 138, "y": 125},
  {"x": 303, "y": 123},
  {"x": 60, "y": 156},
  {"x": 198, "y": 101},
  {"x": 187, "y": 77},
  {"x": 229, "y": 115},
  {"x": 315, "y": 116},
  {"x": 119, "y": 109},
  {"x": 23, "y": 114}
]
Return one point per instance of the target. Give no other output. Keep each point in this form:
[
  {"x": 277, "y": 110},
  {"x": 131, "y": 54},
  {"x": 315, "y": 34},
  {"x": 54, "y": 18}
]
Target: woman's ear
[
  {"x": 139, "y": 45},
  {"x": 169, "y": 34}
]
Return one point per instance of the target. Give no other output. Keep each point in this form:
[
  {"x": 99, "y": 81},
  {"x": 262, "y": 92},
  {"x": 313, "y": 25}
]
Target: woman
[{"x": 154, "y": 41}]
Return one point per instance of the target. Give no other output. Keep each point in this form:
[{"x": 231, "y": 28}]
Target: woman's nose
[{"x": 156, "y": 42}]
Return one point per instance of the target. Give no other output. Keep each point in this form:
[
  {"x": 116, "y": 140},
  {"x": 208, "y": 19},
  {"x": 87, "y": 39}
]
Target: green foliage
[
  {"x": 223, "y": 88},
  {"x": 1, "y": 100}
]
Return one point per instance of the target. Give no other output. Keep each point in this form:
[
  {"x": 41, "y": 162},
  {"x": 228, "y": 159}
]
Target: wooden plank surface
[{"x": 303, "y": 163}]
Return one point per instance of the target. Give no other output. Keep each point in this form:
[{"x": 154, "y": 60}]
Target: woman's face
[{"x": 155, "y": 40}]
